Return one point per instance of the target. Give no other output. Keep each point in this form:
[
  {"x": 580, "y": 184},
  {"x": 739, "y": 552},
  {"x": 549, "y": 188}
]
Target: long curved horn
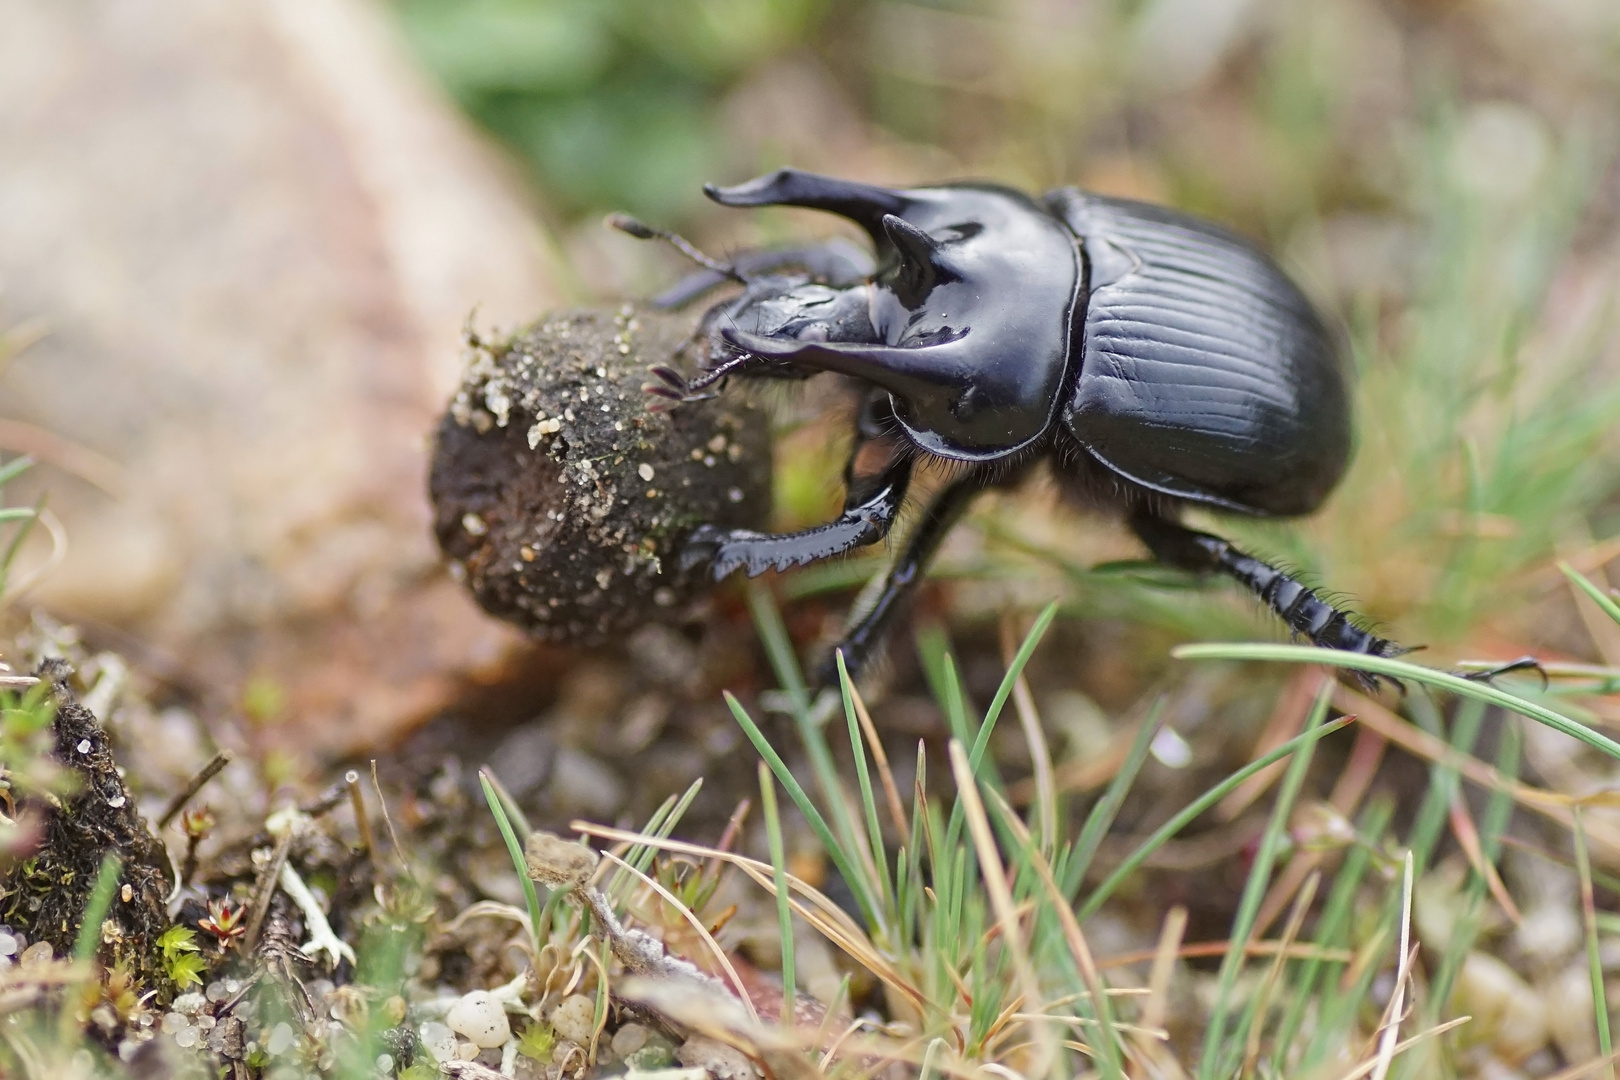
[
  {"x": 864, "y": 204},
  {"x": 902, "y": 371}
]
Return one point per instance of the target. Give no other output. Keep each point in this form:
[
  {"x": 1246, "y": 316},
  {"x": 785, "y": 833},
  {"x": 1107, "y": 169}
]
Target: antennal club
[{"x": 642, "y": 231}]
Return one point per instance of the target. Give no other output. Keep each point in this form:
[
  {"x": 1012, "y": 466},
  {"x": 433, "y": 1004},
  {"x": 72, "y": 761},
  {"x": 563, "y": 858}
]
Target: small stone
[
  {"x": 281, "y": 1039},
  {"x": 722, "y": 1062},
  {"x": 1568, "y": 995},
  {"x": 466, "y": 1051},
  {"x": 479, "y": 1017},
  {"x": 574, "y": 1019},
  {"x": 35, "y": 955},
  {"x": 438, "y": 1040},
  {"x": 189, "y": 1004},
  {"x": 385, "y": 1064},
  {"x": 1504, "y": 1007},
  {"x": 644, "y": 471},
  {"x": 629, "y": 1038},
  {"x": 84, "y": 746},
  {"x": 173, "y": 1022},
  {"x": 8, "y": 945},
  {"x": 187, "y": 1037}
]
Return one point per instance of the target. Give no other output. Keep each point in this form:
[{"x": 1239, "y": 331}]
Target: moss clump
[{"x": 563, "y": 500}]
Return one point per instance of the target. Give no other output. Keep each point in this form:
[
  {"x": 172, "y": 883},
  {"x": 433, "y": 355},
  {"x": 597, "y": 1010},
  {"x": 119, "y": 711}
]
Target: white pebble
[
  {"x": 1511, "y": 1015},
  {"x": 84, "y": 746},
  {"x": 281, "y": 1039},
  {"x": 173, "y": 1022},
  {"x": 480, "y": 1018},
  {"x": 574, "y": 1018},
  {"x": 644, "y": 471},
  {"x": 439, "y": 1040},
  {"x": 186, "y": 1037},
  {"x": 629, "y": 1038},
  {"x": 8, "y": 945},
  {"x": 385, "y": 1064},
  {"x": 190, "y": 1004}
]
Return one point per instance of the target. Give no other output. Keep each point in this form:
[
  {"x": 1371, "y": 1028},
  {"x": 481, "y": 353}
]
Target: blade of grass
[
  {"x": 1398, "y": 669},
  {"x": 1600, "y": 1001},
  {"x": 1102, "y": 815},
  {"x": 515, "y": 849},
  {"x": 981, "y": 741},
  {"x": 818, "y": 824},
  {"x": 1074, "y": 937},
  {"x": 779, "y": 649},
  {"x": 95, "y": 909},
  {"x": 1191, "y": 812},
  {"x": 784, "y": 912},
  {"x": 1599, "y": 597},
  {"x": 1001, "y": 899},
  {"x": 1254, "y": 891},
  {"x": 877, "y": 859},
  {"x": 1331, "y": 925}
]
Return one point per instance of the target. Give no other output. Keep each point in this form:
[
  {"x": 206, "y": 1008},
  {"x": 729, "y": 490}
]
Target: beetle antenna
[{"x": 642, "y": 231}]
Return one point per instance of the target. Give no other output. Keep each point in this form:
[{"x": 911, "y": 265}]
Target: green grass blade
[
  {"x": 14, "y": 468},
  {"x": 784, "y": 912},
  {"x": 1333, "y": 923},
  {"x": 857, "y": 746},
  {"x": 1600, "y": 1000},
  {"x": 515, "y": 849},
  {"x": 1599, "y": 597},
  {"x": 1254, "y": 890},
  {"x": 1192, "y": 810},
  {"x": 778, "y": 647},
  {"x": 95, "y": 909},
  {"x": 1380, "y": 665},
  {"x": 1102, "y": 815},
  {"x": 982, "y": 740},
  {"x": 818, "y": 824}
]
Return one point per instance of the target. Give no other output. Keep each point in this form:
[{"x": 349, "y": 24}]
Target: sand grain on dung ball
[{"x": 563, "y": 500}]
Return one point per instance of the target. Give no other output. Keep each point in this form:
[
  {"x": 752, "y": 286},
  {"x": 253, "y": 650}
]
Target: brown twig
[
  {"x": 205, "y": 774},
  {"x": 264, "y": 888},
  {"x": 393, "y": 837},
  {"x": 361, "y": 820}
]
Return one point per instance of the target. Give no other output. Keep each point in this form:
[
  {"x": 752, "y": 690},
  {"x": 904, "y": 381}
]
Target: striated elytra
[{"x": 1154, "y": 360}]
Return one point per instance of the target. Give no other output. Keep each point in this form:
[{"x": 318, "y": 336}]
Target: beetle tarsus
[{"x": 1523, "y": 663}]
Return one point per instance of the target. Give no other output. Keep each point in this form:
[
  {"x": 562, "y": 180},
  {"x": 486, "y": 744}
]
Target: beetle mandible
[{"x": 1156, "y": 360}]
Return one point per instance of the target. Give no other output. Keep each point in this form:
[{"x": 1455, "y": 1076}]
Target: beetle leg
[
  {"x": 1305, "y": 613},
  {"x": 868, "y": 628},
  {"x": 870, "y": 507},
  {"x": 837, "y": 262}
]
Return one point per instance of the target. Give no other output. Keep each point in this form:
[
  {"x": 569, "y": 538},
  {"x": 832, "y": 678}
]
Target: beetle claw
[{"x": 1523, "y": 663}]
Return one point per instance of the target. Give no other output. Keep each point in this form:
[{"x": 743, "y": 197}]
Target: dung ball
[{"x": 562, "y": 501}]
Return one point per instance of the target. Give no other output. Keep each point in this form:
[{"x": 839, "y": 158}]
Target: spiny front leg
[{"x": 864, "y": 522}]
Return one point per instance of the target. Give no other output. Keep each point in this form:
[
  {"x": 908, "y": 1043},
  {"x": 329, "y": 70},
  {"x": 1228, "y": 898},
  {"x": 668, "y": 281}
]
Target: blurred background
[{"x": 237, "y": 246}]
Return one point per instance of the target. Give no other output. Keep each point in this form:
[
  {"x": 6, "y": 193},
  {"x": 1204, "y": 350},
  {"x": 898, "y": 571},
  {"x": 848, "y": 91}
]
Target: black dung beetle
[{"x": 1156, "y": 360}]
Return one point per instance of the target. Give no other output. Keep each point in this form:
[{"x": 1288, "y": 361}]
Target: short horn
[{"x": 864, "y": 204}]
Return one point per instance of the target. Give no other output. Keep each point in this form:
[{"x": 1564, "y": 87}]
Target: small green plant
[{"x": 182, "y": 959}]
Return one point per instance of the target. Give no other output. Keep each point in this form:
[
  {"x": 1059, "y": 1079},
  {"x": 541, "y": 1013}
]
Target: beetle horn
[
  {"x": 921, "y": 262},
  {"x": 902, "y": 371},
  {"x": 864, "y": 204}
]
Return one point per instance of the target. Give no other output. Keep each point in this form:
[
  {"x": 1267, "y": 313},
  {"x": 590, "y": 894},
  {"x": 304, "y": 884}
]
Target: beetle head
[{"x": 970, "y": 308}]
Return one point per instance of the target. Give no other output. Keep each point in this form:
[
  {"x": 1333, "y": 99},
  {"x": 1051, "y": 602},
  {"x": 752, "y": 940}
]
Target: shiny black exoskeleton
[{"x": 1154, "y": 359}]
